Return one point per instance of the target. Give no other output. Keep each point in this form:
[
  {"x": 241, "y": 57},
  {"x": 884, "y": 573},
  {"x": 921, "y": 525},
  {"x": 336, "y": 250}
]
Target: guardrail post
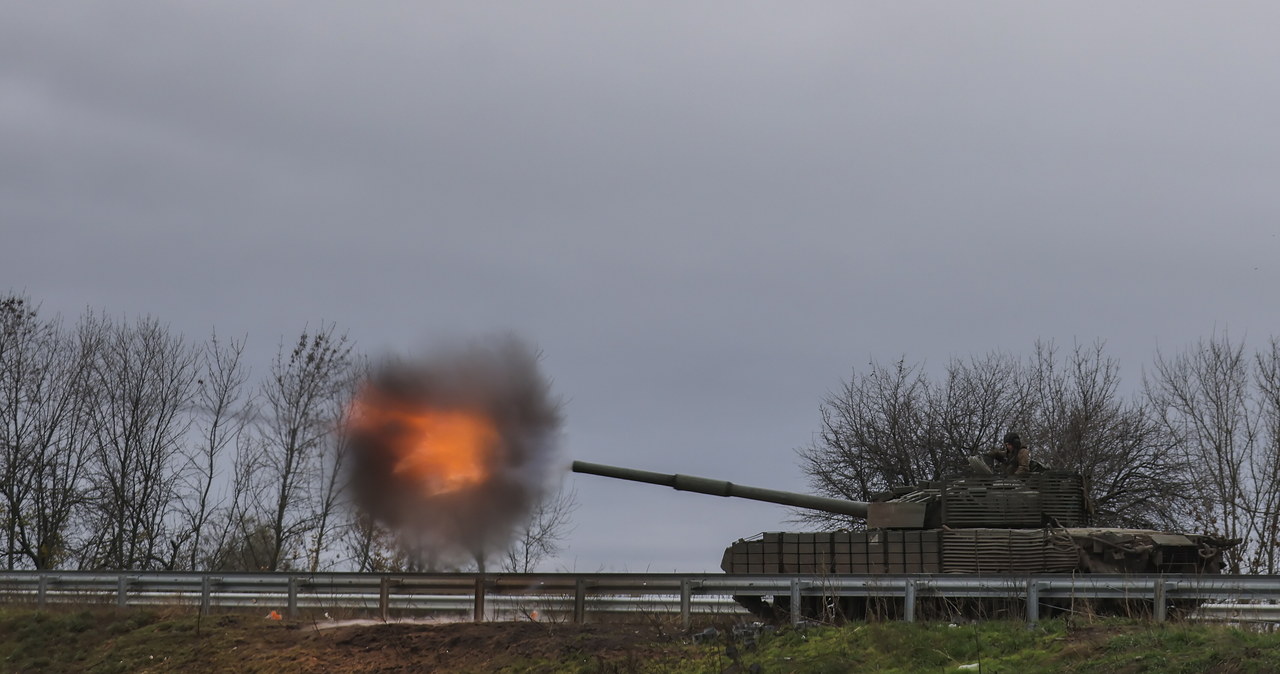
[
  {"x": 797, "y": 614},
  {"x": 384, "y": 598},
  {"x": 478, "y": 613},
  {"x": 1033, "y": 602},
  {"x": 686, "y": 603},
  {"x": 1160, "y": 606},
  {"x": 122, "y": 592},
  {"x": 42, "y": 592},
  {"x": 909, "y": 602},
  {"x": 206, "y": 595},
  {"x": 580, "y": 601},
  {"x": 291, "y": 611}
]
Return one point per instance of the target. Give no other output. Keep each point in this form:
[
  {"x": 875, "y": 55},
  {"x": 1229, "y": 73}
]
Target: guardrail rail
[{"x": 573, "y": 596}]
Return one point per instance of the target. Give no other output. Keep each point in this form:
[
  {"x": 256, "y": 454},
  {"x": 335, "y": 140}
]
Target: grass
[
  {"x": 1107, "y": 645},
  {"x": 103, "y": 640}
]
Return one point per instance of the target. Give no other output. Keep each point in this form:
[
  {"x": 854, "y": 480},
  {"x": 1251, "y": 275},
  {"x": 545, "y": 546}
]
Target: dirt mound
[{"x": 490, "y": 646}]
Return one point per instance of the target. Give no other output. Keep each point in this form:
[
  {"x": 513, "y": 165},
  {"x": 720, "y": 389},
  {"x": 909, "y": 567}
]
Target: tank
[{"x": 976, "y": 523}]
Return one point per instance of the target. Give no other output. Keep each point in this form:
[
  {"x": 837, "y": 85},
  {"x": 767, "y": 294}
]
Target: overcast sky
[{"x": 705, "y": 214}]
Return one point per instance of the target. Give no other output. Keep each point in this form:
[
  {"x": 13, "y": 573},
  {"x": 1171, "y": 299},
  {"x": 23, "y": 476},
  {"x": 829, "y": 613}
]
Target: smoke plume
[{"x": 453, "y": 451}]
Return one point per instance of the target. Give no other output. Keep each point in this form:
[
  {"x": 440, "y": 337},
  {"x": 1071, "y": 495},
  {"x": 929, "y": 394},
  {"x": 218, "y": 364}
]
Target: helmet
[{"x": 1013, "y": 439}]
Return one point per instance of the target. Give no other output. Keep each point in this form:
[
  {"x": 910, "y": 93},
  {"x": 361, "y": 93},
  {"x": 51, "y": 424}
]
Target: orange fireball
[{"x": 439, "y": 450}]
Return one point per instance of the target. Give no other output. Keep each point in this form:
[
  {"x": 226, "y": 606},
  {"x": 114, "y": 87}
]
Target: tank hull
[
  {"x": 962, "y": 551},
  {"x": 976, "y": 551}
]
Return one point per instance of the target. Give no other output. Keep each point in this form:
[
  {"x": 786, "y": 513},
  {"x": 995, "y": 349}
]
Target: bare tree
[
  {"x": 332, "y": 497},
  {"x": 1134, "y": 476},
  {"x": 22, "y": 341},
  {"x": 1265, "y": 472},
  {"x": 222, "y": 407},
  {"x": 237, "y": 526},
  {"x": 43, "y": 433},
  {"x": 142, "y": 380},
  {"x": 307, "y": 384},
  {"x": 1202, "y": 399},
  {"x": 542, "y": 535}
]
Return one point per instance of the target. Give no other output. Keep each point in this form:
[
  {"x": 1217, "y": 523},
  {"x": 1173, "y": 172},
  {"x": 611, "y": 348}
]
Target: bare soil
[
  {"x": 490, "y": 647},
  {"x": 253, "y": 644}
]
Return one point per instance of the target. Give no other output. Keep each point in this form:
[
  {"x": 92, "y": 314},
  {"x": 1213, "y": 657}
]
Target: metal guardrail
[{"x": 573, "y": 597}]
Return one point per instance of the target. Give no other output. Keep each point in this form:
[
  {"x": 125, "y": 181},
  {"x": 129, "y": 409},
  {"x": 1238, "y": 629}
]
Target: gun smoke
[{"x": 453, "y": 451}]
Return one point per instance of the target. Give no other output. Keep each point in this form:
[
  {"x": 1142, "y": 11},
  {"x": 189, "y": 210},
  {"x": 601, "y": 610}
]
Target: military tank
[{"x": 974, "y": 523}]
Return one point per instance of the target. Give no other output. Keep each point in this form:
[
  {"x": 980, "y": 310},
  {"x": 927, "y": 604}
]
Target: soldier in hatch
[{"x": 1014, "y": 459}]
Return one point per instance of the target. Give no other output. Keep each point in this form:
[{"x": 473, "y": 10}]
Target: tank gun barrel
[{"x": 703, "y": 485}]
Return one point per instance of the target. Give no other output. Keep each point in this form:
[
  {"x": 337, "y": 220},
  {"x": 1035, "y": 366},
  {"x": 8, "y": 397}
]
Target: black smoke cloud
[{"x": 499, "y": 378}]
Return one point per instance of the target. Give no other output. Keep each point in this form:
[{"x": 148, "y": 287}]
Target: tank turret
[{"x": 969, "y": 501}]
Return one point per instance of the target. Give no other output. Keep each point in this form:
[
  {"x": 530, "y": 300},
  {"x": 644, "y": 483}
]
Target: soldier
[{"x": 1015, "y": 459}]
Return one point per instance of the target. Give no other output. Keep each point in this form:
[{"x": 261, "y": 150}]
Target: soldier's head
[{"x": 1012, "y": 440}]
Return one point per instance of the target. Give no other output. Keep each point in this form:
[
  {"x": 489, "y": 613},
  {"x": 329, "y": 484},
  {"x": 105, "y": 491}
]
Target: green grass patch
[{"x": 1102, "y": 646}]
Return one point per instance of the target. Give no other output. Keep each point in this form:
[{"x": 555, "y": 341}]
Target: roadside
[{"x": 147, "y": 641}]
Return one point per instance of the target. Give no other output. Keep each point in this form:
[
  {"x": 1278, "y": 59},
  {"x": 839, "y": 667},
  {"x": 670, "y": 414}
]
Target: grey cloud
[{"x": 704, "y": 216}]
